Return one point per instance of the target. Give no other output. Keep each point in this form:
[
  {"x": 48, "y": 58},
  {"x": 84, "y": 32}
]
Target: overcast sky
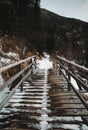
[{"x": 69, "y": 8}]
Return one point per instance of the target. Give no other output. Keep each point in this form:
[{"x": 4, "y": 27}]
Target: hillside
[
  {"x": 45, "y": 31},
  {"x": 69, "y": 35}
]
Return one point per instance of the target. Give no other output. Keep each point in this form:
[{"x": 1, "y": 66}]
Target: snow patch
[
  {"x": 45, "y": 63},
  {"x": 6, "y": 61},
  {"x": 1, "y": 79},
  {"x": 73, "y": 81},
  {"x": 13, "y": 55}
]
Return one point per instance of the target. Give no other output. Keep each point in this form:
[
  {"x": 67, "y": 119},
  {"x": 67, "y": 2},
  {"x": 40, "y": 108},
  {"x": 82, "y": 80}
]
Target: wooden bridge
[{"x": 45, "y": 99}]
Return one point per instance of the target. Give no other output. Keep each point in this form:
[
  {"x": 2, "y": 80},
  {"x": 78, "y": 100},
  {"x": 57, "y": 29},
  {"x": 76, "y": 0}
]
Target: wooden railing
[
  {"x": 70, "y": 69},
  {"x": 22, "y": 75},
  {"x": 73, "y": 64}
]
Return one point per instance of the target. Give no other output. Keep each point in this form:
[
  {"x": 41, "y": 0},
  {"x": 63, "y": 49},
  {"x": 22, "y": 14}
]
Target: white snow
[
  {"x": 45, "y": 63},
  {"x": 6, "y": 61},
  {"x": 1, "y": 79},
  {"x": 13, "y": 55},
  {"x": 74, "y": 83},
  {"x": 44, "y": 115},
  {"x": 3, "y": 94}
]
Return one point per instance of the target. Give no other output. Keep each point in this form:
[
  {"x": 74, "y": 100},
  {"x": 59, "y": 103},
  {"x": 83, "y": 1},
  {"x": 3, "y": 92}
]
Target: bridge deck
[{"x": 44, "y": 104}]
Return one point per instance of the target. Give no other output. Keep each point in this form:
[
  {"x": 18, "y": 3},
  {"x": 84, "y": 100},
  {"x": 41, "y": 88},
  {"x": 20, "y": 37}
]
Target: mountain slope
[
  {"x": 47, "y": 31},
  {"x": 69, "y": 35}
]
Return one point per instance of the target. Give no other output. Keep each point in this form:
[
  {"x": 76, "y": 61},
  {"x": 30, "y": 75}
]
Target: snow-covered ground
[
  {"x": 45, "y": 63},
  {"x": 13, "y": 54},
  {"x": 6, "y": 61}
]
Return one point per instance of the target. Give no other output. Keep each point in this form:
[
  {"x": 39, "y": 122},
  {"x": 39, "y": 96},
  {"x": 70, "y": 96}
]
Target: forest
[
  {"x": 16, "y": 14},
  {"x": 41, "y": 30}
]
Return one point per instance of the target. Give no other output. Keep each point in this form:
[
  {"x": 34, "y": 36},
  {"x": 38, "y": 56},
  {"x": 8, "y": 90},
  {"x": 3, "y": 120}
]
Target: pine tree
[{"x": 14, "y": 12}]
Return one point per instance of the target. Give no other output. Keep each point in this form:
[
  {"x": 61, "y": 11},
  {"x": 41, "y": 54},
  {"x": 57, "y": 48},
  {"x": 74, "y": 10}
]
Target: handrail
[
  {"x": 14, "y": 64},
  {"x": 75, "y": 77},
  {"x": 77, "y": 93},
  {"x": 8, "y": 82},
  {"x": 26, "y": 71},
  {"x": 13, "y": 78},
  {"x": 4, "y": 102},
  {"x": 70, "y": 73},
  {"x": 74, "y": 64}
]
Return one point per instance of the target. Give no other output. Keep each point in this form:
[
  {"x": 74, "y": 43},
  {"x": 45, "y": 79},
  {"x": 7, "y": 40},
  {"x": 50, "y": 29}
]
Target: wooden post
[
  {"x": 60, "y": 68},
  {"x": 20, "y": 77},
  {"x": 35, "y": 63},
  {"x": 69, "y": 77}
]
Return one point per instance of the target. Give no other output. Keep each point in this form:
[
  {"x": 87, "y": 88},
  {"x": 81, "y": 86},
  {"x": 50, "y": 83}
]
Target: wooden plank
[
  {"x": 67, "y": 102},
  {"x": 68, "y": 112},
  {"x": 63, "y": 94},
  {"x": 63, "y": 98},
  {"x": 66, "y": 106},
  {"x": 69, "y": 122}
]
